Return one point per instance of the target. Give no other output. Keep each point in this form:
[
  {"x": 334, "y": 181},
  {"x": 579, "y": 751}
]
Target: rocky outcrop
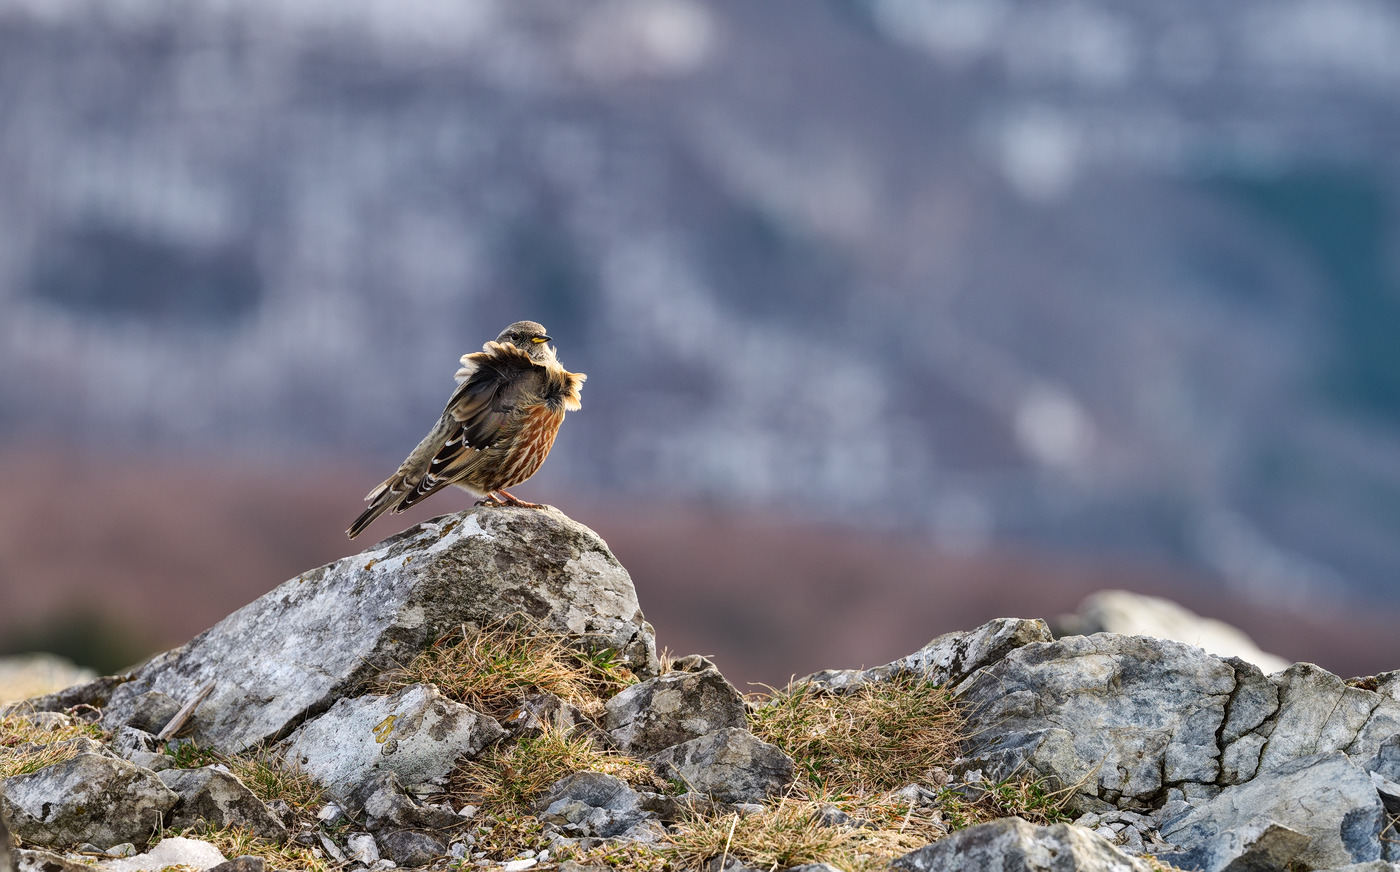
[
  {"x": 296, "y": 651},
  {"x": 1161, "y": 747}
]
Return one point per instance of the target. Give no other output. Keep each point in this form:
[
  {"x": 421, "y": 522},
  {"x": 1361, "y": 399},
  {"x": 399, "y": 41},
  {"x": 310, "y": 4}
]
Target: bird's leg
[{"x": 511, "y": 500}]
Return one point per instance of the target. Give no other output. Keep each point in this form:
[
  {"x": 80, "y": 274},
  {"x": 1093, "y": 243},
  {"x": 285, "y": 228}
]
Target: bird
[{"x": 496, "y": 430}]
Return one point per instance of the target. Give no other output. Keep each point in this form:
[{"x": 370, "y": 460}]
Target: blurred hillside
[{"x": 1114, "y": 280}]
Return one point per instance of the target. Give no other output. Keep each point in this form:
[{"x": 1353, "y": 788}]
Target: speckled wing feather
[{"x": 489, "y": 388}]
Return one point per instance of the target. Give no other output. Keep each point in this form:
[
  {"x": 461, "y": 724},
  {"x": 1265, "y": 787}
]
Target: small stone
[
  {"x": 411, "y": 848},
  {"x": 330, "y": 814},
  {"x": 245, "y": 863},
  {"x": 125, "y": 849},
  {"x": 332, "y": 849},
  {"x": 518, "y": 865},
  {"x": 214, "y": 795},
  {"x": 362, "y": 848},
  {"x": 151, "y": 711}
]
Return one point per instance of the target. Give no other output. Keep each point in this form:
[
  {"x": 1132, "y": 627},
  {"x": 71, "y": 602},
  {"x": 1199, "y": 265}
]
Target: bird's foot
[{"x": 507, "y": 499}]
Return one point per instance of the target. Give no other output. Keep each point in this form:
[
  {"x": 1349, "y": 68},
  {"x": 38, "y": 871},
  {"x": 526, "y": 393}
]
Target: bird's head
[{"x": 530, "y": 336}]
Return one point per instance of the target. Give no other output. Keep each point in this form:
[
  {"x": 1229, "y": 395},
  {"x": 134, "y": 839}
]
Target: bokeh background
[{"x": 897, "y": 315}]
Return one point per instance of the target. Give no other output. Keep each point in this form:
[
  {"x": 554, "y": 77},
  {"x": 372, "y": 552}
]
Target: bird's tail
[{"x": 382, "y": 499}]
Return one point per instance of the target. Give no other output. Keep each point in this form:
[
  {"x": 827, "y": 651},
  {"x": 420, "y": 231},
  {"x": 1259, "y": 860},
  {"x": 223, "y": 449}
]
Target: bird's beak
[{"x": 538, "y": 339}]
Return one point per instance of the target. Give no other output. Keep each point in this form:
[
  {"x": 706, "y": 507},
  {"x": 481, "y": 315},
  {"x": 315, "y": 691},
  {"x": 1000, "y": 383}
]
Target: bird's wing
[{"x": 491, "y": 384}]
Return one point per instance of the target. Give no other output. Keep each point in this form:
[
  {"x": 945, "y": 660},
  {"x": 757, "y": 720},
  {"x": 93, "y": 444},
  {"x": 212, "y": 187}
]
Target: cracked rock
[
  {"x": 1325, "y": 797},
  {"x": 1129, "y": 712},
  {"x": 948, "y": 659},
  {"x": 1318, "y": 712},
  {"x": 730, "y": 765},
  {"x": 90, "y": 798},
  {"x": 320, "y": 636},
  {"x": 385, "y": 805},
  {"x": 592, "y": 804},
  {"x": 218, "y": 797},
  {"x": 417, "y": 733},
  {"x": 671, "y": 709}
]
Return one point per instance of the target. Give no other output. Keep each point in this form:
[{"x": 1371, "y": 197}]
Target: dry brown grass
[
  {"x": 508, "y": 778},
  {"x": 877, "y": 738},
  {"x": 26, "y": 745},
  {"x": 491, "y": 669}
]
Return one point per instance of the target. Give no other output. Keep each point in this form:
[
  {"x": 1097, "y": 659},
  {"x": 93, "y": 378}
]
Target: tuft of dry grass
[
  {"x": 508, "y": 778},
  {"x": 492, "y": 668},
  {"x": 27, "y": 744},
  {"x": 790, "y": 834},
  {"x": 877, "y": 738},
  {"x": 269, "y": 778}
]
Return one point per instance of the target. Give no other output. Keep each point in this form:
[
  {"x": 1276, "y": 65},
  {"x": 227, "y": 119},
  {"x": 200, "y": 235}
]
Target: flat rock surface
[
  {"x": 671, "y": 709},
  {"x": 296, "y": 650}
]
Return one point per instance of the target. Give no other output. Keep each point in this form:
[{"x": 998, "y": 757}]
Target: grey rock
[
  {"x": 7, "y": 859},
  {"x": 592, "y": 804},
  {"x": 151, "y": 711},
  {"x": 1388, "y": 791},
  {"x": 247, "y": 863},
  {"x": 385, "y": 805},
  {"x": 1130, "y": 713},
  {"x": 95, "y": 693},
  {"x": 1386, "y": 761},
  {"x": 1318, "y": 712},
  {"x": 362, "y": 848},
  {"x": 1133, "y": 614},
  {"x": 948, "y": 659},
  {"x": 1371, "y": 866},
  {"x": 416, "y": 732},
  {"x": 38, "y": 860},
  {"x": 730, "y": 765},
  {"x": 90, "y": 798},
  {"x": 410, "y": 847},
  {"x": 671, "y": 709},
  {"x": 218, "y": 797},
  {"x": 320, "y": 636},
  {"x": 1012, "y": 845},
  {"x": 1259, "y": 844},
  {"x": 1325, "y": 797}
]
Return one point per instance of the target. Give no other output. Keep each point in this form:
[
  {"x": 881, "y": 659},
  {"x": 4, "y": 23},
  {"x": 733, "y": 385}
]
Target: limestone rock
[
  {"x": 39, "y": 860},
  {"x": 175, "y": 851},
  {"x": 151, "y": 711},
  {"x": 320, "y": 636},
  {"x": 730, "y": 765},
  {"x": 90, "y": 798},
  {"x": 1318, "y": 712},
  {"x": 592, "y": 804},
  {"x": 247, "y": 863},
  {"x": 385, "y": 805},
  {"x": 417, "y": 733},
  {"x": 1128, "y": 713},
  {"x": 1257, "y": 844},
  {"x": 221, "y": 799},
  {"x": 672, "y": 708},
  {"x": 1013, "y": 845},
  {"x": 1133, "y": 614},
  {"x": 948, "y": 659},
  {"x": 1324, "y": 797},
  {"x": 410, "y": 847}
]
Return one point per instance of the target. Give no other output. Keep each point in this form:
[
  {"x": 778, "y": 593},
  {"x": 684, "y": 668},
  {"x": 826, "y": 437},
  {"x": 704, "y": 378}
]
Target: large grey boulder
[
  {"x": 293, "y": 652},
  {"x": 948, "y": 659},
  {"x": 671, "y": 709},
  {"x": 1013, "y": 845},
  {"x": 1121, "y": 716},
  {"x": 1325, "y": 797},
  {"x": 90, "y": 798},
  {"x": 730, "y": 765},
  {"x": 417, "y": 733}
]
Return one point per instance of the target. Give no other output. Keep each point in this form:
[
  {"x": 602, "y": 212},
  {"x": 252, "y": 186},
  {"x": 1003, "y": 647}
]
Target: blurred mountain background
[{"x": 897, "y": 315}]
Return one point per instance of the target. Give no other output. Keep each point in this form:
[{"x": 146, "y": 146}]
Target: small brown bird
[{"x": 497, "y": 428}]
